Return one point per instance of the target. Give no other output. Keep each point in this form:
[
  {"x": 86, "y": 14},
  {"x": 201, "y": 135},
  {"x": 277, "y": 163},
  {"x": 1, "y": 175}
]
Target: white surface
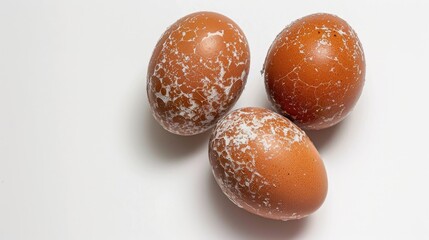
[{"x": 82, "y": 158}]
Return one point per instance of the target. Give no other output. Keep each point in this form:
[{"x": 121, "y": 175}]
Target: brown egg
[
  {"x": 267, "y": 165},
  {"x": 197, "y": 72},
  {"x": 315, "y": 71}
]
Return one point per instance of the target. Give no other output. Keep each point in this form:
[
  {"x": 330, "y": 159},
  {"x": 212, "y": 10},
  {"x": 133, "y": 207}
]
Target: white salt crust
[
  {"x": 232, "y": 156},
  {"x": 174, "y": 70}
]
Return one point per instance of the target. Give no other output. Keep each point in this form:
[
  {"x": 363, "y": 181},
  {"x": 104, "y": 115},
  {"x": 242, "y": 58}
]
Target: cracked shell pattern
[
  {"x": 197, "y": 72},
  {"x": 266, "y": 165},
  {"x": 315, "y": 71}
]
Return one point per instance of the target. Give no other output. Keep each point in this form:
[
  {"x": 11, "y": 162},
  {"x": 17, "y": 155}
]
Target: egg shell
[
  {"x": 267, "y": 165},
  {"x": 315, "y": 71},
  {"x": 197, "y": 72}
]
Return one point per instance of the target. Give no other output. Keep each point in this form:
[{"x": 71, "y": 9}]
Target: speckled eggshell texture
[
  {"x": 267, "y": 165},
  {"x": 315, "y": 71},
  {"x": 197, "y": 72}
]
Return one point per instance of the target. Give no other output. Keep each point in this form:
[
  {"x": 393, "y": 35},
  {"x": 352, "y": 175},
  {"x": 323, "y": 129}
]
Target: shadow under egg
[
  {"x": 248, "y": 225},
  {"x": 324, "y": 137}
]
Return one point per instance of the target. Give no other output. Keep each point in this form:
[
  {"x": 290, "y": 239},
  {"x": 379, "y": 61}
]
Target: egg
[
  {"x": 266, "y": 165},
  {"x": 197, "y": 72},
  {"x": 315, "y": 71}
]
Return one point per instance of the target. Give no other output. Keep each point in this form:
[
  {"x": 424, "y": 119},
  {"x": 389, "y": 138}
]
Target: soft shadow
[
  {"x": 263, "y": 95},
  {"x": 248, "y": 225},
  {"x": 266, "y": 103},
  {"x": 322, "y": 138},
  {"x": 168, "y": 146}
]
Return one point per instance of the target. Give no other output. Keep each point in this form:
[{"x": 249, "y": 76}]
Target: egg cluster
[{"x": 314, "y": 73}]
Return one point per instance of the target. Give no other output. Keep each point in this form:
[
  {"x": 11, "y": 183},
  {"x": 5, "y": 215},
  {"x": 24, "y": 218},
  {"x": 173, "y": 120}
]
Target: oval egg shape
[
  {"x": 315, "y": 71},
  {"x": 197, "y": 72},
  {"x": 267, "y": 165}
]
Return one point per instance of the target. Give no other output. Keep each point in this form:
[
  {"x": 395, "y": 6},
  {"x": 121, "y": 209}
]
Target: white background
[{"x": 82, "y": 158}]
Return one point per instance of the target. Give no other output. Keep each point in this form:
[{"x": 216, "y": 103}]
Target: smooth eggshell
[
  {"x": 267, "y": 165},
  {"x": 197, "y": 72},
  {"x": 315, "y": 71}
]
